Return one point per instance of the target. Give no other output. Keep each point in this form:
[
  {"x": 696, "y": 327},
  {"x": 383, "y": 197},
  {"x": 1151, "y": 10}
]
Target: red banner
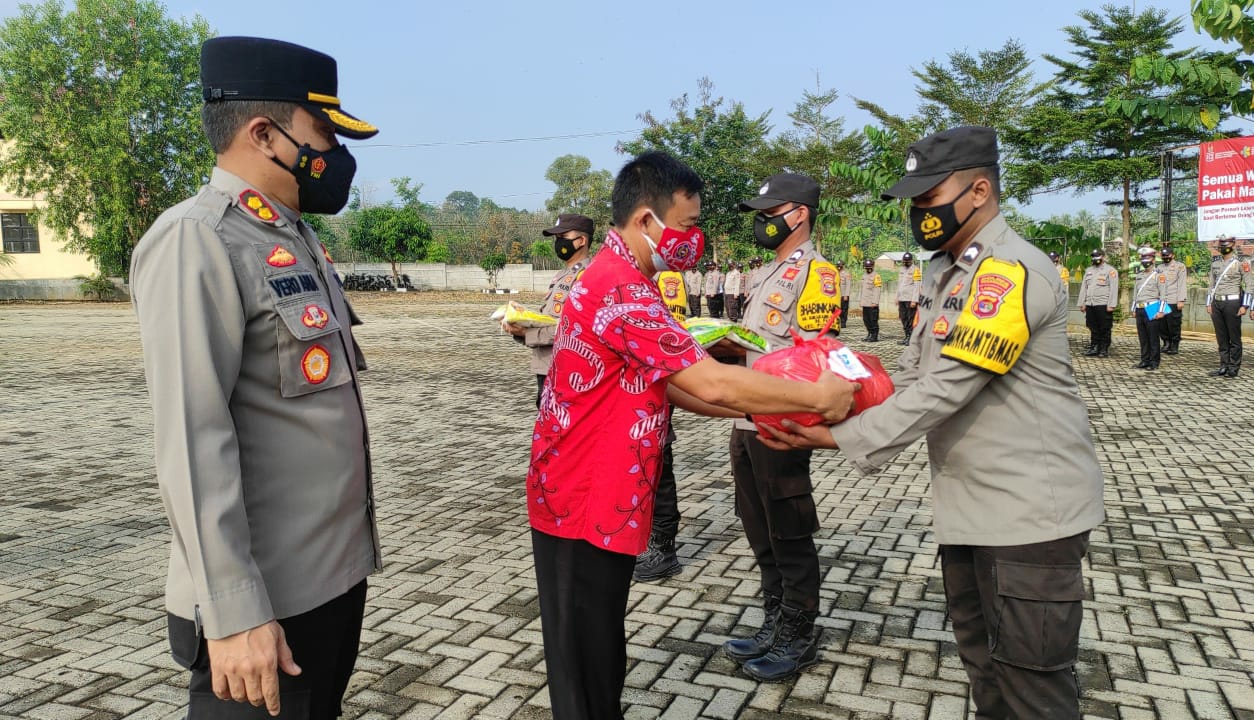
[{"x": 1225, "y": 189}]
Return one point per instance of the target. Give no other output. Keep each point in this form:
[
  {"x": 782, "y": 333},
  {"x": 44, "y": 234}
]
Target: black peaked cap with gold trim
[{"x": 248, "y": 68}]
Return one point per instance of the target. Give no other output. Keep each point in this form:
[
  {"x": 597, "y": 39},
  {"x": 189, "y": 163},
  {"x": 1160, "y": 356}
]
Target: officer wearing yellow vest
[
  {"x": 872, "y": 288},
  {"x": 987, "y": 378},
  {"x": 1063, "y": 273},
  {"x": 798, "y": 290},
  {"x": 846, "y": 284}
]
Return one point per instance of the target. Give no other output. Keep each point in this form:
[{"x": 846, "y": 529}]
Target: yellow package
[{"x": 515, "y": 314}]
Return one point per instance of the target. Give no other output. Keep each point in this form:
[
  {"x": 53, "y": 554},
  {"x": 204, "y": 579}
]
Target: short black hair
[
  {"x": 651, "y": 179},
  {"x": 991, "y": 172},
  {"x": 222, "y": 119}
]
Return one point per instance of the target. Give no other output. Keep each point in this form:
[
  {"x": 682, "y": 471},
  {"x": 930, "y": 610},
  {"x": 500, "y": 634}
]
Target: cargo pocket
[
  {"x": 1037, "y": 615},
  {"x": 778, "y": 318},
  {"x": 793, "y": 518},
  {"x": 311, "y": 355}
]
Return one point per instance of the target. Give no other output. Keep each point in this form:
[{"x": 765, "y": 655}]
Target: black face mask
[
  {"x": 564, "y": 247},
  {"x": 1097, "y": 260},
  {"x": 770, "y": 232},
  {"x": 1146, "y": 263},
  {"x": 1226, "y": 249},
  {"x": 935, "y": 226},
  {"x": 323, "y": 179}
]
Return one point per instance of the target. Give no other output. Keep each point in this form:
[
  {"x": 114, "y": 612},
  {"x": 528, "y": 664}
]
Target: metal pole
[{"x": 1168, "y": 172}]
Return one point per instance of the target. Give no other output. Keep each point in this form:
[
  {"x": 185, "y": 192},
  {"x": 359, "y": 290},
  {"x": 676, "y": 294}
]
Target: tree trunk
[{"x": 1124, "y": 285}]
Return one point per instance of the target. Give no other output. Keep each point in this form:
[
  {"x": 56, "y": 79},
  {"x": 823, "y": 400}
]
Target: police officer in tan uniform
[
  {"x": 1177, "y": 295},
  {"x": 693, "y": 285},
  {"x": 1099, "y": 292},
  {"x": 731, "y": 291},
  {"x": 909, "y": 280},
  {"x": 262, "y": 453},
  {"x": 1016, "y": 485},
  {"x": 798, "y": 291},
  {"x": 572, "y": 237},
  {"x": 1149, "y": 292},
  {"x": 869, "y": 297},
  {"x": 713, "y": 289},
  {"x": 846, "y": 284},
  {"x": 1230, "y": 294}
]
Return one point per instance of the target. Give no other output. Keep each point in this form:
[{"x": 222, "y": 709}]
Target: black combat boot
[
  {"x": 875, "y": 337},
  {"x": 658, "y": 562},
  {"x": 1103, "y": 351},
  {"x": 742, "y": 649},
  {"x": 1091, "y": 351},
  {"x": 796, "y": 647}
]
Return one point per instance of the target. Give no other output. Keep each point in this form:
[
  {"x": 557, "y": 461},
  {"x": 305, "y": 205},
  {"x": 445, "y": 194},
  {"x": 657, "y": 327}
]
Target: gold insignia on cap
[
  {"x": 320, "y": 98},
  {"x": 353, "y": 124}
]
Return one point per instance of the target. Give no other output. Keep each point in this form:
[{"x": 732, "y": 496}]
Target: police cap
[
  {"x": 572, "y": 221},
  {"x": 784, "y": 188},
  {"x": 936, "y": 157},
  {"x": 249, "y": 68}
]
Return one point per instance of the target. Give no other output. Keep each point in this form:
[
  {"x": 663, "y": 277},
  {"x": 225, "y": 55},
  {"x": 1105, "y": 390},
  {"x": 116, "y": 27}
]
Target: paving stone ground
[{"x": 452, "y": 625}]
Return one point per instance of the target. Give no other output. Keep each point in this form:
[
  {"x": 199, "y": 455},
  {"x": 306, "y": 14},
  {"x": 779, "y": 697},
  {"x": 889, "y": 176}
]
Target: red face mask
[{"x": 676, "y": 250}]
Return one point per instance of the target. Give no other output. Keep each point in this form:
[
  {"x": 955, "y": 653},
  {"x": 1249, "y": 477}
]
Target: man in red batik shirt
[{"x": 597, "y": 448}]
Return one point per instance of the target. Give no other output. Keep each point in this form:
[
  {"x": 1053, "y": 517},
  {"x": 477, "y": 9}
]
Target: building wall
[{"x": 52, "y": 262}]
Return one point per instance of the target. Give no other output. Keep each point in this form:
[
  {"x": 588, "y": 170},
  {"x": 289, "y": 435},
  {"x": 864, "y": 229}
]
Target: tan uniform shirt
[
  {"x": 785, "y": 299},
  {"x": 714, "y": 282},
  {"x": 540, "y": 339},
  {"x": 1148, "y": 285},
  {"x": 693, "y": 283},
  {"x": 846, "y": 284},
  {"x": 1007, "y": 432},
  {"x": 1100, "y": 286},
  {"x": 262, "y": 454},
  {"x": 1230, "y": 279},
  {"x": 872, "y": 287},
  {"x": 1177, "y": 282},
  {"x": 909, "y": 282},
  {"x": 733, "y": 283}
]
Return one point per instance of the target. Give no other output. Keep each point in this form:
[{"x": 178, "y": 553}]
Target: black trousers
[
  {"x": 1223, "y": 313},
  {"x": 732, "y": 304},
  {"x": 776, "y": 508},
  {"x": 1147, "y": 332},
  {"x": 694, "y": 305},
  {"x": 324, "y": 644},
  {"x": 1169, "y": 330},
  {"x": 1099, "y": 320},
  {"x": 907, "y": 316},
  {"x": 714, "y": 303},
  {"x": 583, "y": 601},
  {"x": 844, "y": 312},
  {"x": 1016, "y": 613},
  {"x": 666, "y": 501},
  {"x": 871, "y": 318}
]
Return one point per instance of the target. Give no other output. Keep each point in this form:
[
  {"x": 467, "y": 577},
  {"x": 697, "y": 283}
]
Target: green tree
[
  {"x": 1071, "y": 138},
  {"x": 462, "y": 202},
  {"x": 392, "y": 234},
  {"x": 493, "y": 264},
  {"x": 810, "y": 146},
  {"x": 580, "y": 189},
  {"x": 101, "y": 103},
  {"x": 723, "y": 144}
]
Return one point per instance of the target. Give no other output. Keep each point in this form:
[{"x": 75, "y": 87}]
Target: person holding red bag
[
  {"x": 987, "y": 378},
  {"x": 797, "y": 292}
]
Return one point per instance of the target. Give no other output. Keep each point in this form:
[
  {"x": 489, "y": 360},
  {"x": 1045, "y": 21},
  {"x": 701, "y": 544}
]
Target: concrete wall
[{"x": 439, "y": 276}]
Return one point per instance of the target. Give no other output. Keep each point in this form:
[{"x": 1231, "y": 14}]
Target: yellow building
[{"x": 40, "y": 267}]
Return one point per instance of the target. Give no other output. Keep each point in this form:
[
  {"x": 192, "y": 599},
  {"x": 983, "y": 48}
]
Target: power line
[{"x": 502, "y": 141}]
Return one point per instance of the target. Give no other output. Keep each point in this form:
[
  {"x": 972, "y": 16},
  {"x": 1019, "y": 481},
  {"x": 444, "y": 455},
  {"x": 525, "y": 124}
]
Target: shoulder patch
[
  {"x": 254, "y": 204},
  {"x": 1245, "y": 267},
  {"x": 918, "y": 274},
  {"x": 878, "y": 281},
  {"x": 796, "y": 255},
  {"x": 820, "y": 297},
  {"x": 992, "y": 329}
]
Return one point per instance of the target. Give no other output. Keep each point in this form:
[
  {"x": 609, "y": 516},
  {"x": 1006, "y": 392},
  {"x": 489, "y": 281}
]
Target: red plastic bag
[{"x": 806, "y": 360}]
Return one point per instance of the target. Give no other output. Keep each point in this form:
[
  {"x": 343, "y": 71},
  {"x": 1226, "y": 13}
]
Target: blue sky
[{"x": 435, "y": 75}]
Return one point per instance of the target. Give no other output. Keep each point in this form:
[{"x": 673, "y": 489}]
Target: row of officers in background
[
  {"x": 1158, "y": 296},
  {"x": 725, "y": 291}
]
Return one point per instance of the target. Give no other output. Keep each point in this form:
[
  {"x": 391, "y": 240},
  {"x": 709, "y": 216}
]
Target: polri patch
[
  {"x": 316, "y": 364},
  {"x": 792, "y": 273},
  {"x": 940, "y": 328},
  {"x": 256, "y": 205}
]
